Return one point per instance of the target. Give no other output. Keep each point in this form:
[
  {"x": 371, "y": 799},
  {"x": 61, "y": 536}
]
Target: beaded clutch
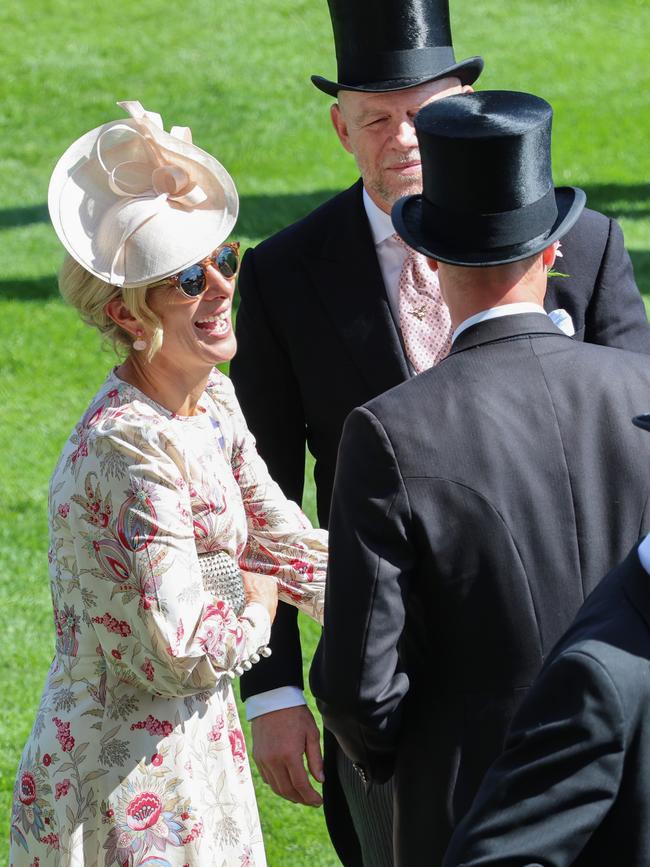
[{"x": 222, "y": 579}]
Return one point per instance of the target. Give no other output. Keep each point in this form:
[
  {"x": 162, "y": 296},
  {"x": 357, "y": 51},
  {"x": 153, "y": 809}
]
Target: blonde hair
[{"x": 89, "y": 296}]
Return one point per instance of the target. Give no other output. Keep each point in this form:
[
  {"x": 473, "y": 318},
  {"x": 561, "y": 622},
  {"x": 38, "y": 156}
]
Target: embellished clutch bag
[{"x": 222, "y": 579}]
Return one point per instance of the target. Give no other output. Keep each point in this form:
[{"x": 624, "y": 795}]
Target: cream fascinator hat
[{"x": 134, "y": 204}]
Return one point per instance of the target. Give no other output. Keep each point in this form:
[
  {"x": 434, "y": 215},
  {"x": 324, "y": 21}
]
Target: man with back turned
[{"x": 477, "y": 504}]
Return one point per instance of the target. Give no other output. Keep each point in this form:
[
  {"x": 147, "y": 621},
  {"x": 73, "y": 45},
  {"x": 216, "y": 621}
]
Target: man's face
[{"x": 378, "y": 129}]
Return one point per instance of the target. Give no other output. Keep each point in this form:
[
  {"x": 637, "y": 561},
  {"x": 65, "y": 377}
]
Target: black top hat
[
  {"x": 488, "y": 193},
  {"x": 642, "y": 421},
  {"x": 393, "y": 44}
]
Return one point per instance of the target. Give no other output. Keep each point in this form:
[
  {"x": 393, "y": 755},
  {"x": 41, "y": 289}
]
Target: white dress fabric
[{"x": 137, "y": 756}]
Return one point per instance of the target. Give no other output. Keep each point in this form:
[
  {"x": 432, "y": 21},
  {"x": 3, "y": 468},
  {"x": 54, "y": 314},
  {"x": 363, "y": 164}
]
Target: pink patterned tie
[{"x": 424, "y": 316}]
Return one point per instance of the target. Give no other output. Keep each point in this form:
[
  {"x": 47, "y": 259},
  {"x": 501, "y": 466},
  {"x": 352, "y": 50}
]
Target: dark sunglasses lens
[
  {"x": 192, "y": 280},
  {"x": 227, "y": 261}
]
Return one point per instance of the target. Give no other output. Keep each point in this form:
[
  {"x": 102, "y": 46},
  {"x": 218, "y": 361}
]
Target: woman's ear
[{"x": 117, "y": 310}]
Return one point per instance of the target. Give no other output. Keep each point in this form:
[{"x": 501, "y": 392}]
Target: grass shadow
[
  {"x": 29, "y": 289},
  {"x": 619, "y": 200},
  {"x": 26, "y": 215},
  {"x": 262, "y": 215}
]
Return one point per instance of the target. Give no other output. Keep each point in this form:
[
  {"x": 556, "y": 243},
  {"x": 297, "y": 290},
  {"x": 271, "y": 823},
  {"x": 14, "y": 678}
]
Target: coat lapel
[{"x": 351, "y": 289}]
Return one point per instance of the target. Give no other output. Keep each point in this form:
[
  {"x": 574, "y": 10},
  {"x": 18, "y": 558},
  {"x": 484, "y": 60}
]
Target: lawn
[{"x": 238, "y": 74}]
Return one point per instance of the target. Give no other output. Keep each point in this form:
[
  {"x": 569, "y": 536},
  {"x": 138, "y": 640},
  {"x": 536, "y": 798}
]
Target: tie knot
[
  {"x": 401, "y": 242},
  {"x": 418, "y": 258},
  {"x": 417, "y": 263}
]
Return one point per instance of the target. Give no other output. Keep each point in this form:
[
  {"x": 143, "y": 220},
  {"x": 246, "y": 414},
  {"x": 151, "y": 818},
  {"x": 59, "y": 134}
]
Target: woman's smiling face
[{"x": 196, "y": 331}]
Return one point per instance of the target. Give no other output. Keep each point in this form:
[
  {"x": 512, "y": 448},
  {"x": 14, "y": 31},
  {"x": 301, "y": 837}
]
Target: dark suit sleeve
[
  {"x": 548, "y": 792},
  {"x": 270, "y": 400},
  {"x": 616, "y": 314},
  {"x": 356, "y": 675}
]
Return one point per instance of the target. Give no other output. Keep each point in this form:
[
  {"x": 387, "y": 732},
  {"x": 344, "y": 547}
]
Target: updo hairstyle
[{"x": 90, "y": 295}]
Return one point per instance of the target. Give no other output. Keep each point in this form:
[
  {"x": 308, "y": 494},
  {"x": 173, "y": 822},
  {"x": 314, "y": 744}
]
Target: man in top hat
[
  {"x": 573, "y": 784},
  {"x": 321, "y": 319},
  {"x": 477, "y": 504}
]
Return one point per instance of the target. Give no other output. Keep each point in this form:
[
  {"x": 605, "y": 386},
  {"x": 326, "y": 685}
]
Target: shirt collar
[
  {"x": 381, "y": 225},
  {"x": 496, "y": 312}
]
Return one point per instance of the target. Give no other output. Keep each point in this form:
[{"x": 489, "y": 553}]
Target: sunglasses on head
[{"x": 192, "y": 281}]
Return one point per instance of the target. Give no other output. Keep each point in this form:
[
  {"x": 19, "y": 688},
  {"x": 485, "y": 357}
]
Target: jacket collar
[{"x": 506, "y": 328}]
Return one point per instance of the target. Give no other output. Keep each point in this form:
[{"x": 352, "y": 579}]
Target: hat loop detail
[
  {"x": 149, "y": 178},
  {"x": 144, "y": 179}
]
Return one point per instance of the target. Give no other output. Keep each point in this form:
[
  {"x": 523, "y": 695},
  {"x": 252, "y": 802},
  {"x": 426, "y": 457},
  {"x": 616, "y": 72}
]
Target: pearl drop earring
[{"x": 139, "y": 343}]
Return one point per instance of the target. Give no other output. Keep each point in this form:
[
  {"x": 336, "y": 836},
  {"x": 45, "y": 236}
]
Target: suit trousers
[{"x": 371, "y": 811}]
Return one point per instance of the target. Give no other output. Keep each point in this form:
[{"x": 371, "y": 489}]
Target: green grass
[{"x": 238, "y": 74}]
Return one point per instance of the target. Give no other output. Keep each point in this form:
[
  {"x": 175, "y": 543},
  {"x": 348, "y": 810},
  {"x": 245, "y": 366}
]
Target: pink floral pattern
[{"x": 137, "y": 755}]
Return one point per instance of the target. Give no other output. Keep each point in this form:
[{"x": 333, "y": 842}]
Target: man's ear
[
  {"x": 548, "y": 255},
  {"x": 117, "y": 310},
  {"x": 467, "y": 88},
  {"x": 341, "y": 127}
]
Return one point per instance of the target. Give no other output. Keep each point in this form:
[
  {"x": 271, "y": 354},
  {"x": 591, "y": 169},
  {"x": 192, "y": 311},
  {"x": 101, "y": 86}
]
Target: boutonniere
[{"x": 552, "y": 272}]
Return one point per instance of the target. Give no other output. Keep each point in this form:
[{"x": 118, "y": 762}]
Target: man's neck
[
  {"x": 462, "y": 312},
  {"x": 380, "y": 222},
  {"x": 514, "y": 309},
  {"x": 466, "y": 301},
  {"x": 379, "y": 203}
]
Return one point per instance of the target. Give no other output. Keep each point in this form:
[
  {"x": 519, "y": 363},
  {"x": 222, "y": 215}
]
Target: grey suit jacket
[{"x": 474, "y": 508}]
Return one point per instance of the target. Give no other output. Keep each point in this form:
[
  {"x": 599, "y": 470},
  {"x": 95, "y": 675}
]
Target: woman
[{"x": 159, "y": 497}]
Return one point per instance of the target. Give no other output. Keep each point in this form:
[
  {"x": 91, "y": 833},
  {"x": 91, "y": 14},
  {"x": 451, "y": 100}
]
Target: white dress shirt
[{"x": 390, "y": 253}]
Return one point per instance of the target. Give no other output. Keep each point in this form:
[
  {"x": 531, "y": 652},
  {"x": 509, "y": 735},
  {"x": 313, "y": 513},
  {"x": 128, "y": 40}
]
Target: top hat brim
[
  {"x": 467, "y": 71},
  {"x": 407, "y": 216},
  {"x": 642, "y": 421}
]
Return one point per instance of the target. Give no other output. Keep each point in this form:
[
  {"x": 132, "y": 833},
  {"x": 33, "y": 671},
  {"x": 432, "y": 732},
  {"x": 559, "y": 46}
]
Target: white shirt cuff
[{"x": 273, "y": 699}]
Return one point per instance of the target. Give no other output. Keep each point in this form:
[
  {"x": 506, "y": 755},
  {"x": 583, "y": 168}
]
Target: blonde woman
[{"x": 169, "y": 543}]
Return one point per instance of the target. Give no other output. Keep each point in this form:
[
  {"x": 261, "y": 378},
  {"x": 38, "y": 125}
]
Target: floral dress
[{"x": 136, "y": 756}]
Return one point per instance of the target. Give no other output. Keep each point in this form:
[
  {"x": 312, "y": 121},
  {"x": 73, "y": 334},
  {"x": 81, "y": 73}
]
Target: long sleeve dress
[{"x": 136, "y": 756}]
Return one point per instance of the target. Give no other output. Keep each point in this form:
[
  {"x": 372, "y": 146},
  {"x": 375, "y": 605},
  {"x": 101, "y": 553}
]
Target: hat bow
[{"x": 149, "y": 177}]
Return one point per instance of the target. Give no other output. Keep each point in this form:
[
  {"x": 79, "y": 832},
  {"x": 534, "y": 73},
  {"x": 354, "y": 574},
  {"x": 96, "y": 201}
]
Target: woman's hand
[{"x": 263, "y": 589}]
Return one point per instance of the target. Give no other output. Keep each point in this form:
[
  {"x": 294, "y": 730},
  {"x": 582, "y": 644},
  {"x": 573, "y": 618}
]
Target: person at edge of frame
[{"x": 571, "y": 787}]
